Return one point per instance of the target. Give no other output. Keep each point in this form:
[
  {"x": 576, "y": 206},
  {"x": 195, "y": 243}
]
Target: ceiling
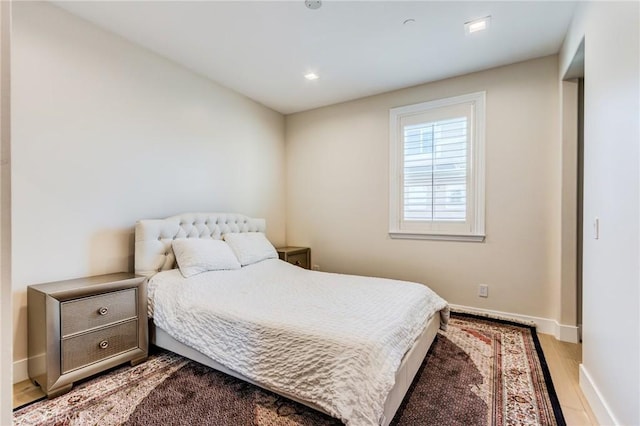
[{"x": 263, "y": 49}]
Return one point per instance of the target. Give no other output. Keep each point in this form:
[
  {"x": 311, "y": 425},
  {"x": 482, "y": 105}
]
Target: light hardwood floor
[
  {"x": 562, "y": 358},
  {"x": 25, "y": 392}
]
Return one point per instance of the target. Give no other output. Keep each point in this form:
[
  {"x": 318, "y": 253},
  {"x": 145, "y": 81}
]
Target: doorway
[{"x": 573, "y": 184}]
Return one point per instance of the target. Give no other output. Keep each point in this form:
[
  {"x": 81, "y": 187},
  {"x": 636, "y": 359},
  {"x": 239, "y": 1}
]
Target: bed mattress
[{"x": 334, "y": 340}]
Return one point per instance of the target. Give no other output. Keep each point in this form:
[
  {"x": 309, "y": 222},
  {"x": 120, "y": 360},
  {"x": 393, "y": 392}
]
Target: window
[{"x": 437, "y": 169}]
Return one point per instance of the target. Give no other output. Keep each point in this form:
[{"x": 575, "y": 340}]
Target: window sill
[{"x": 438, "y": 237}]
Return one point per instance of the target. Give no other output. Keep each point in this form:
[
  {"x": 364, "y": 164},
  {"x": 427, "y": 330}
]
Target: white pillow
[
  {"x": 195, "y": 256},
  {"x": 250, "y": 247}
]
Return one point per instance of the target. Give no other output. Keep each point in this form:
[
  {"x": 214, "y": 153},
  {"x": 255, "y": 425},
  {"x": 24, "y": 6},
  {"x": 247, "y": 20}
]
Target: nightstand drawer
[
  {"x": 88, "y": 348},
  {"x": 96, "y": 311},
  {"x": 299, "y": 260},
  {"x": 299, "y": 256}
]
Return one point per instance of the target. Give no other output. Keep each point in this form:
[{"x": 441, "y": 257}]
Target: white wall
[
  {"x": 337, "y": 192},
  {"x": 6, "y": 356},
  {"x": 106, "y": 133},
  {"x": 610, "y": 372}
]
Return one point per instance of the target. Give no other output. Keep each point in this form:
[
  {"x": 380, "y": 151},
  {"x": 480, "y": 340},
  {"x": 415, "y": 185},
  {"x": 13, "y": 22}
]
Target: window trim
[{"x": 477, "y": 169}]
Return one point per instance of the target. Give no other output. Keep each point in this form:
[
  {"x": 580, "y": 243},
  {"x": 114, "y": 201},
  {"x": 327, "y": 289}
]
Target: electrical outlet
[
  {"x": 316, "y": 267},
  {"x": 483, "y": 290}
]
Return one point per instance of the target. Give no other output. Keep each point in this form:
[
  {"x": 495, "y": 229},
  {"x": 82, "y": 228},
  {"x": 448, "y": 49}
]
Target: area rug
[{"x": 479, "y": 372}]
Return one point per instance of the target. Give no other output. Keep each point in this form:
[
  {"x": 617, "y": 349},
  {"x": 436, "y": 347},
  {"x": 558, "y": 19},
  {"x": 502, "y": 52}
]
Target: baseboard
[
  {"x": 565, "y": 333},
  {"x": 20, "y": 370},
  {"x": 598, "y": 405}
]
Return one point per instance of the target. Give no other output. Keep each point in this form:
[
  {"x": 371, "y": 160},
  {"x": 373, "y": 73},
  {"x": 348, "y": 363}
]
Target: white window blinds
[
  {"x": 435, "y": 170},
  {"x": 437, "y": 182}
]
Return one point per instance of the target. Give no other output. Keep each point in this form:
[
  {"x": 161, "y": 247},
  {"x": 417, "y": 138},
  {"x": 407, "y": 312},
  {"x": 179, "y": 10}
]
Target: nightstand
[
  {"x": 299, "y": 256},
  {"x": 81, "y": 327}
]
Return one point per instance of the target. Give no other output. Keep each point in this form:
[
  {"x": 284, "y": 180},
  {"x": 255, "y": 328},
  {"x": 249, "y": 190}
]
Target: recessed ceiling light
[
  {"x": 311, "y": 76},
  {"x": 313, "y": 4},
  {"x": 477, "y": 25}
]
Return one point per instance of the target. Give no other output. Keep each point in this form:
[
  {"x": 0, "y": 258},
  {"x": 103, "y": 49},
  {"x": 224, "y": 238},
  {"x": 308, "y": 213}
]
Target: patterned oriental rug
[{"x": 479, "y": 372}]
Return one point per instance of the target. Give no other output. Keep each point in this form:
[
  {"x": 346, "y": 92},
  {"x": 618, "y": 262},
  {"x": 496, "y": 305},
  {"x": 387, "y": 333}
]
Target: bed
[{"x": 268, "y": 323}]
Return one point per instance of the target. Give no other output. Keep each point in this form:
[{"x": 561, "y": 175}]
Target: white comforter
[{"x": 331, "y": 339}]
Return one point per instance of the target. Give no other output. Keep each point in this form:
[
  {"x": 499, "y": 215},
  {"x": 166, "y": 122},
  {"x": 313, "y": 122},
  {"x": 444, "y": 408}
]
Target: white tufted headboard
[{"x": 153, "y": 237}]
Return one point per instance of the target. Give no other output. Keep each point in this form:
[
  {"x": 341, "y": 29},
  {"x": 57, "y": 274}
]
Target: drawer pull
[
  {"x": 104, "y": 344},
  {"x": 298, "y": 263},
  {"x": 103, "y": 311}
]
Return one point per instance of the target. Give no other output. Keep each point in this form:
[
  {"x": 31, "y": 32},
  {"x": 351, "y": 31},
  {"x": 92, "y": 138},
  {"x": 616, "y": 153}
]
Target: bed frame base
[{"x": 405, "y": 375}]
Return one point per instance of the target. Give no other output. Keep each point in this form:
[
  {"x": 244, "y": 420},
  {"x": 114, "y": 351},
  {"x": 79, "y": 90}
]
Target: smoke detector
[{"x": 313, "y": 4}]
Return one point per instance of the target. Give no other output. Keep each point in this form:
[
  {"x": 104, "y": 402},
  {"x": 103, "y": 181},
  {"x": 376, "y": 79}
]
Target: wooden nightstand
[
  {"x": 299, "y": 256},
  {"x": 81, "y": 327}
]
